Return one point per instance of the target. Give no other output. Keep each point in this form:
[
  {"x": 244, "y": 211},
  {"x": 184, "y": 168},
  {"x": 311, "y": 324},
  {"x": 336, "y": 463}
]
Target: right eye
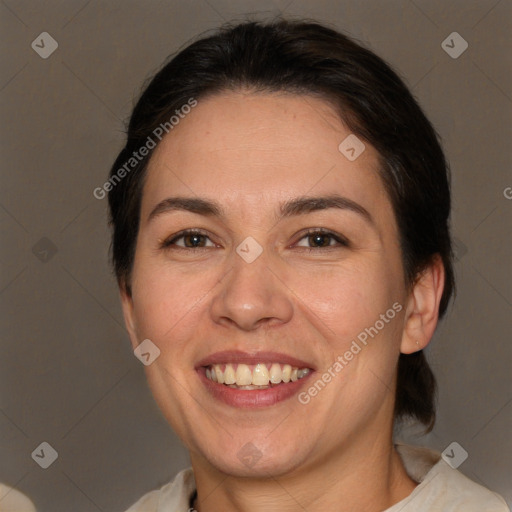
[{"x": 193, "y": 238}]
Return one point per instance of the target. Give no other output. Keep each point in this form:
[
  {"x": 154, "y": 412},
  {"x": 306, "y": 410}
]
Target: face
[{"x": 267, "y": 279}]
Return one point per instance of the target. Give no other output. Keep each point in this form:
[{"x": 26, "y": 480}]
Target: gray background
[{"x": 68, "y": 375}]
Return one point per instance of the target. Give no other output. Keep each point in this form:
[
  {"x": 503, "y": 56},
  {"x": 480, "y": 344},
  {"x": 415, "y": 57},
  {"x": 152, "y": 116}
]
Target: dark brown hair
[{"x": 308, "y": 58}]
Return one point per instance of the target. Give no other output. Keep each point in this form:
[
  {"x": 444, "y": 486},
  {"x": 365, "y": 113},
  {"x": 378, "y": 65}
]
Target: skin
[{"x": 250, "y": 152}]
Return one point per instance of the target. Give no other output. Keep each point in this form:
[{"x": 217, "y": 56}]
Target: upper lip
[{"x": 237, "y": 356}]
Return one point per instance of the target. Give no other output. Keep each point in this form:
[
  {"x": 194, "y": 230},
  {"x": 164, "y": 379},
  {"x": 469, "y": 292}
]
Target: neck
[{"x": 364, "y": 475}]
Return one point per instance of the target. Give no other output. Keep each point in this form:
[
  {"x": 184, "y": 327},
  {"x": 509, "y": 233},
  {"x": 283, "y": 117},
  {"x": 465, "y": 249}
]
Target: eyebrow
[{"x": 297, "y": 206}]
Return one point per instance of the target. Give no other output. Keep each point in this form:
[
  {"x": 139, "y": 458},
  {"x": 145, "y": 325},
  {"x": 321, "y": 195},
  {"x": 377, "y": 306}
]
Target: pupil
[
  {"x": 194, "y": 238},
  {"x": 319, "y": 238}
]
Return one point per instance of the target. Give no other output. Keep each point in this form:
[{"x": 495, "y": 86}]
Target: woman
[{"x": 281, "y": 243}]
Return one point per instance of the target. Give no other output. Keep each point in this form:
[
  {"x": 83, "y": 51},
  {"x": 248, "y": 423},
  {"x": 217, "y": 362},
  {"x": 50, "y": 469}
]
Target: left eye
[{"x": 319, "y": 236}]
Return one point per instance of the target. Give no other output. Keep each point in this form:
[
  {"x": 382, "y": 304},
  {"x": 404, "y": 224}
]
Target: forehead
[{"x": 253, "y": 148}]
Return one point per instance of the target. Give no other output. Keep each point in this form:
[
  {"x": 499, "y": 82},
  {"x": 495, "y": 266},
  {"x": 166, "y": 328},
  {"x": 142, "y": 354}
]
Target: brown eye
[
  {"x": 192, "y": 239},
  {"x": 319, "y": 239}
]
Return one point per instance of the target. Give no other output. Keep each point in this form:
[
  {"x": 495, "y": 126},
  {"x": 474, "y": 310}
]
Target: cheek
[
  {"x": 347, "y": 299},
  {"x": 167, "y": 302}
]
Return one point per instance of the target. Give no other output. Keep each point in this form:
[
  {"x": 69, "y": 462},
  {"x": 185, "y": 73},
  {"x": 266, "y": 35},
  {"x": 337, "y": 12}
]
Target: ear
[
  {"x": 422, "y": 311},
  {"x": 128, "y": 313}
]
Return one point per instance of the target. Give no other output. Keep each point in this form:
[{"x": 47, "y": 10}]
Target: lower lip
[{"x": 252, "y": 398}]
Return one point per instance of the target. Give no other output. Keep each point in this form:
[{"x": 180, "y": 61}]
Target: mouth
[
  {"x": 254, "y": 376},
  {"x": 253, "y": 380}
]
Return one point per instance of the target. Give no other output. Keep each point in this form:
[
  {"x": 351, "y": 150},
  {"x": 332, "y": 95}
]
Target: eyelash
[{"x": 167, "y": 244}]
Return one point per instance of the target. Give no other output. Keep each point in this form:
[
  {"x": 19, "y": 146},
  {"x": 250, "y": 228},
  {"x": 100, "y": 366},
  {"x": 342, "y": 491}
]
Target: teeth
[
  {"x": 275, "y": 373},
  {"x": 260, "y": 376},
  {"x": 249, "y": 387},
  {"x": 229, "y": 375},
  {"x": 302, "y": 372},
  {"x": 287, "y": 371},
  {"x": 243, "y": 375},
  {"x": 220, "y": 374}
]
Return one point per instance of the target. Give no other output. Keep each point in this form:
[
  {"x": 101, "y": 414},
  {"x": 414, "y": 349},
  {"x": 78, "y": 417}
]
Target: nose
[{"x": 252, "y": 295}]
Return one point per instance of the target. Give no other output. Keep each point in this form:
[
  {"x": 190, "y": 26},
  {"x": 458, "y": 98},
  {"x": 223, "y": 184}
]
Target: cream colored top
[
  {"x": 12, "y": 500},
  {"x": 441, "y": 489}
]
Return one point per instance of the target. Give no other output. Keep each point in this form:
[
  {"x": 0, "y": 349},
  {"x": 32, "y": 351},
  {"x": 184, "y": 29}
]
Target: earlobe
[
  {"x": 128, "y": 314},
  {"x": 422, "y": 311}
]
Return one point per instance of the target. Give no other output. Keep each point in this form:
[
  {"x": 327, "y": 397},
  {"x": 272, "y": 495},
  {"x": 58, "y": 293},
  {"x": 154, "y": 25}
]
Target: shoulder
[
  {"x": 174, "y": 495},
  {"x": 443, "y": 488},
  {"x": 462, "y": 493},
  {"x": 13, "y": 500}
]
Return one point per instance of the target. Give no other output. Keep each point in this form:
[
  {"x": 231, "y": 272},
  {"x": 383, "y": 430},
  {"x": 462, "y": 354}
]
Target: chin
[{"x": 257, "y": 458}]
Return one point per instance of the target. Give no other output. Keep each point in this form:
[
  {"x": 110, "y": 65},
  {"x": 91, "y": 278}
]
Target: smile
[
  {"x": 253, "y": 379},
  {"x": 255, "y": 376}
]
